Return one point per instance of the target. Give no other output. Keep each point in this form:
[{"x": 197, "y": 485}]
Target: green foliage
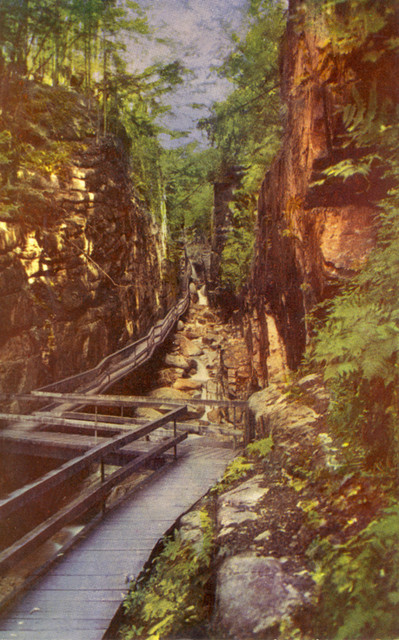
[
  {"x": 174, "y": 595},
  {"x": 359, "y": 583},
  {"x": 348, "y": 26},
  {"x": 236, "y": 470},
  {"x": 260, "y": 448},
  {"x": 245, "y": 129},
  {"x": 188, "y": 174},
  {"x": 237, "y": 258},
  {"x": 55, "y": 40},
  {"x": 358, "y": 344},
  {"x": 79, "y": 45}
]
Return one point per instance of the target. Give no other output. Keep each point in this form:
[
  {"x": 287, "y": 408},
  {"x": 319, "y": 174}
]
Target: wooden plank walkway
[{"x": 78, "y": 598}]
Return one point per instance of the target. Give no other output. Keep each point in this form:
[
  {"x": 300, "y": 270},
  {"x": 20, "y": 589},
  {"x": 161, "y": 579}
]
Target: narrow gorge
[{"x": 280, "y": 226}]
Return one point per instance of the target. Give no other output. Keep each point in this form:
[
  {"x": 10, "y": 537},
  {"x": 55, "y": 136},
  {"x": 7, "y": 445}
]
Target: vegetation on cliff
[
  {"x": 349, "y": 520},
  {"x": 355, "y": 341},
  {"x": 246, "y": 128},
  {"x": 356, "y": 344},
  {"x": 80, "y": 52}
]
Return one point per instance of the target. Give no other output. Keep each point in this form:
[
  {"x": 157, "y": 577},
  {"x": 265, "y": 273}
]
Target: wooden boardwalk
[{"x": 77, "y": 599}]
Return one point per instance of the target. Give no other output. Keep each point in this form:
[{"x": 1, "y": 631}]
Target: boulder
[
  {"x": 194, "y": 412},
  {"x": 253, "y": 594},
  {"x": 190, "y": 529},
  {"x": 239, "y": 504},
  {"x": 168, "y": 392},
  {"x": 187, "y": 347},
  {"x": 180, "y": 362},
  {"x": 193, "y": 292},
  {"x": 187, "y": 384},
  {"x": 277, "y": 413},
  {"x": 215, "y": 415},
  {"x": 149, "y": 413},
  {"x": 315, "y": 392},
  {"x": 166, "y": 377}
]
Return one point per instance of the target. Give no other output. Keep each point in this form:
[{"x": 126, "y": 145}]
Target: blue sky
[{"x": 196, "y": 32}]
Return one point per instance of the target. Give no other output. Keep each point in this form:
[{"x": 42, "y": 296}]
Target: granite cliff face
[
  {"x": 311, "y": 238},
  {"x": 88, "y": 275}
]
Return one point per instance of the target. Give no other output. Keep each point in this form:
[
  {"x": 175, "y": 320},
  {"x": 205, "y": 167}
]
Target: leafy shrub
[
  {"x": 237, "y": 257},
  {"x": 359, "y": 583},
  {"x": 237, "y": 469},
  {"x": 359, "y": 342},
  {"x": 260, "y": 448},
  {"x": 175, "y": 594}
]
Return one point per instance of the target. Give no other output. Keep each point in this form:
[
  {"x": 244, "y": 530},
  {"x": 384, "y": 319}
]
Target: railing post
[
  {"x": 174, "y": 435},
  {"x": 102, "y": 471}
]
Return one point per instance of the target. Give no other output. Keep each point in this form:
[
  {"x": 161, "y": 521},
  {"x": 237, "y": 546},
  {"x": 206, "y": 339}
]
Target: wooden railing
[
  {"x": 118, "y": 364},
  {"x": 31, "y": 493}
]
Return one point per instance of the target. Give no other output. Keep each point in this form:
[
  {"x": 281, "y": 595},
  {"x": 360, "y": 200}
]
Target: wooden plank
[
  {"x": 31, "y": 623},
  {"x": 131, "y": 401},
  {"x": 37, "y": 419},
  {"x": 38, "y": 443},
  {"x": 106, "y": 400},
  {"x": 190, "y": 479},
  {"x": 92, "y": 417},
  {"x": 78, "y": 507},
  {"x": 84, "y": 429},
  {"x": 26, "y": 494}
]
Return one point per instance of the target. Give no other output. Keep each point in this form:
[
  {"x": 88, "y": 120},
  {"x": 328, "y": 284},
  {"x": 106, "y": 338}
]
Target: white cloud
[{"x": 198, "y": 33}]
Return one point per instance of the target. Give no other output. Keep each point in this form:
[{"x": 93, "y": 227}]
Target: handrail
[
  {"x": 22, "y": 497},
  {"x": 132, "y": 401},
  {"x": 107, "y": 370},
  {"x": 81, "y": 505}
]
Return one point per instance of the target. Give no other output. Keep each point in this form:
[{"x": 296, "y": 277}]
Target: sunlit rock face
[
  {"x": 85, "y": 278},
  {"x": 311, "y": 237}
]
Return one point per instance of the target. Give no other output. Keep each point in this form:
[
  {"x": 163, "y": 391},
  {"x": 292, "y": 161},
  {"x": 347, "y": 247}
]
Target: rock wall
[
  {"x": 84, "y": 280},
  {"x": 311, "y": 238}
]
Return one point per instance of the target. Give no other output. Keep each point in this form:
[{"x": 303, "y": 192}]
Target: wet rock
[
  {"x": 253, "y": 594},
  {"x": 169, "y": 393},
  {"x": 275, "y": 412},
  {"x": 86, "y": 276},
  {"x": 330, "y": 228},
  {"x": 187, "y": 347},
  {"x": 192, "y": 333},
  {"x": 215, "y": 415},
  {"x": 187, "y": 384},
  {"x": 239, "y": 504},
  {"x": 180, "y": 362},
  {"x": 209, "y": 315},
  {"x": 166, "y": 377}
]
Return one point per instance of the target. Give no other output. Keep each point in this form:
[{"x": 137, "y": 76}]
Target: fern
[
  {"x": 359, "y": 583},
  {"x": 260, "y": 448},
  {"x": 174, "y": 594}
]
